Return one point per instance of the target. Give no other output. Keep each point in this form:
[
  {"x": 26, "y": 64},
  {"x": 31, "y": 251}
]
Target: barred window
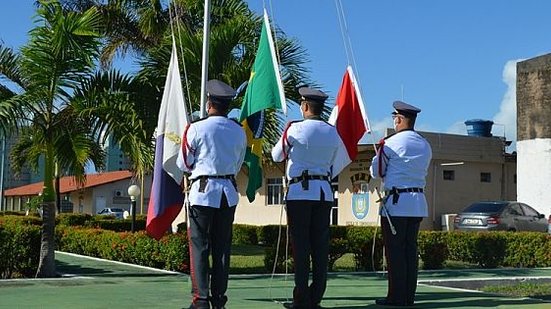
[
  {"x": 448, "y": 174},
  {"x": 275, "y": 193}
]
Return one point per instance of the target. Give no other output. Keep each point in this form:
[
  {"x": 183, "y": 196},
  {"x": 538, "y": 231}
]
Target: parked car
[
  {"x": 500, "y": 216},
  {"x": 116, "y": 212}
]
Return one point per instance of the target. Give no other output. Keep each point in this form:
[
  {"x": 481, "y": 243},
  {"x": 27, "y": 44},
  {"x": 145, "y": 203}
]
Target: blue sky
[{"x": 454, "y": 59}]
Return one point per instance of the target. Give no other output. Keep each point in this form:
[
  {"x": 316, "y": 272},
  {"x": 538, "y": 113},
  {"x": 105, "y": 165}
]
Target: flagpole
[
  {"x": 205, "y": 63},
  {"x": 3, "y": 155}
]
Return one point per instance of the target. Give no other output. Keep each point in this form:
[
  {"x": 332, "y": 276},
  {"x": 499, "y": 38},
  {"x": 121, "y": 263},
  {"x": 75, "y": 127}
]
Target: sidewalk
[{"x": 93, "y": 283}]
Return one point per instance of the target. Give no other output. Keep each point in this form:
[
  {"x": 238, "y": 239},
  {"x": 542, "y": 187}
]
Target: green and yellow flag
[{"x": 264, "y": 91}]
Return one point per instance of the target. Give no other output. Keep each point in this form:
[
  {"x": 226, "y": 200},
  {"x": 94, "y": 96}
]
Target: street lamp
[{"x": 134, "y": 192}]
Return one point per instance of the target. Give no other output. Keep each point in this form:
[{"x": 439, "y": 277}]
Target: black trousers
[
  {"x": 210, "y": 231},
  {"x": 308, "y": 223},
  {"x": 401, "y": 256}
]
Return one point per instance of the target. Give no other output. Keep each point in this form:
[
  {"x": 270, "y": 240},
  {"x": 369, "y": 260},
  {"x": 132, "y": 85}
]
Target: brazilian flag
[{"x": 264, "y": 91}]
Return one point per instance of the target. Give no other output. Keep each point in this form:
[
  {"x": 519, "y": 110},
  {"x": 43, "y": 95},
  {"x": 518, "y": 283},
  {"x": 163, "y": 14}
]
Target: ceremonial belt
[
  {"x": 203, "y": 179},
  {"x": 395, "y": 193},
  {"x": 309, "y": 177}
]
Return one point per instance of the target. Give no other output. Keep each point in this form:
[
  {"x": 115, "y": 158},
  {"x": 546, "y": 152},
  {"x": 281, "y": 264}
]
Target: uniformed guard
[
  {"x": 213, "y": 150},
  {"x": 310, "y": 147},
  {"x": 402, "y": 161}
]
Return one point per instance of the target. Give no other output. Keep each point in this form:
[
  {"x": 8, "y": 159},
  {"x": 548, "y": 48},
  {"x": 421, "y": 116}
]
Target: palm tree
[
  {"x": 59, "y": 56},
  {"x": 143, "y": 28}
]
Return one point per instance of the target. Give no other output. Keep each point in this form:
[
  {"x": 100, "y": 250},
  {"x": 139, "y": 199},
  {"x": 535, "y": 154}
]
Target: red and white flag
[{"x": 350, "y": 119}]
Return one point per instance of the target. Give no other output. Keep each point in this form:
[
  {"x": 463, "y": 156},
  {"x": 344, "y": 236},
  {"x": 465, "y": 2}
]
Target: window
[
  {"x": 529, "y": 211},
  {"x": 515, "y": 210},
  {"x": 515, "y": 179},
  {"x": 448, "y": 175},
  {"x": 275, "y": 193},
  {"x": 485, "y": 177}
]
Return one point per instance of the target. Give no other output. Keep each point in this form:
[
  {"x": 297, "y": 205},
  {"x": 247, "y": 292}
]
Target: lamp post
[{"x": 134, "y": 192}]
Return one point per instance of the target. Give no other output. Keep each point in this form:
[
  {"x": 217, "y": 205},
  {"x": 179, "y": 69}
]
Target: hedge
[{"x": 89, "y": 235}]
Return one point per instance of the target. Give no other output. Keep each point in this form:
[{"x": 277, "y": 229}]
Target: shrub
[
  {"x": 117, "y": 225},
  {"x": 284, "y": 258},
  {"x": 337, "y": 248},
  {"x": 360, "y": 239},
  {"x": 243, "y": 234},
  {"x": 18, "y": 220},
  {"x": 12, "y": 213},
  {"x": 170, "y": 253},
  {"x": 527, "y": 249},
  {"x": 71, "y": 219},
  {"x": 432, "y": 249},
  {"x": 482, "y": 248},
  {"x": 19, "y": 250},
  {"x": 175, "y": 252},
  {"x": 268, "y": 234}
]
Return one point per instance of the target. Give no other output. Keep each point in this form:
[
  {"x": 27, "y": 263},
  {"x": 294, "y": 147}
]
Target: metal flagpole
[
  {"x": 205, "y": 63},
  {"x": 2, "y": 167}
]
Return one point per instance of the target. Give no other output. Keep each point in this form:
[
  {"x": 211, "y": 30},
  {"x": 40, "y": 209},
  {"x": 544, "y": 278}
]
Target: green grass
[
  {"x": 247, "y": 259},
  {"x": 449, "y": 264},
  {"x": 522, "y": 289}
]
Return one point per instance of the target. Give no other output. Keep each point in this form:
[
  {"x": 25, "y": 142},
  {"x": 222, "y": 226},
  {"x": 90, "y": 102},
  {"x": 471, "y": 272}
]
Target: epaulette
[
  {"x": 327, "y": 122},
  {"x": 235, "y": 120},
  {"x": 293, "y": 121},
  {"x": 391, "y": 135},
  {"x": 197, "y": 120}
]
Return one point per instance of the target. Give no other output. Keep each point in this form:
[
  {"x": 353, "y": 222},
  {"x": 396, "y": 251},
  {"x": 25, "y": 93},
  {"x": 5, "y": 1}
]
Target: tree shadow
[{"x": 424, "y": 300}]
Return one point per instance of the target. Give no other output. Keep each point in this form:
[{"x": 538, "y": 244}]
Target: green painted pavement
[{"x": 105, "y": 284}]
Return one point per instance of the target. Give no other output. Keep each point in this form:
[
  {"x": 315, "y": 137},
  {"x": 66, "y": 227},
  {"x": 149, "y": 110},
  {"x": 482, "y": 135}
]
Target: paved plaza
[{"x": 94, "y": 283}]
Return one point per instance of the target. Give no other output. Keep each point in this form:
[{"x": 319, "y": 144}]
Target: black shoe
[
  {"x": 288, "y": 305},
  {"x": 386, "y": 302}
]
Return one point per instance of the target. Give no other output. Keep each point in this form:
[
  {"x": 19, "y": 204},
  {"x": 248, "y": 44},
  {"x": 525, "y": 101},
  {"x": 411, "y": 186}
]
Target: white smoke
[
  {"x": 457, "y": 128},
  {"x": 505, "y": 121}
]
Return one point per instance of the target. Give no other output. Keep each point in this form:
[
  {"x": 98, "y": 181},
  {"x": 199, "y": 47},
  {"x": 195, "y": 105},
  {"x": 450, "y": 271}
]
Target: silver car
[
  {"x": 118, "y": 213},
  {"x": 500, "y": 216}
]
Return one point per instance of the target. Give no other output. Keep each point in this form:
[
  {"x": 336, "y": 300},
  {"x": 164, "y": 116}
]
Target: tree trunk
[
  {"x": 46, "y": 266},
  {"x": 57, "y": 194}
]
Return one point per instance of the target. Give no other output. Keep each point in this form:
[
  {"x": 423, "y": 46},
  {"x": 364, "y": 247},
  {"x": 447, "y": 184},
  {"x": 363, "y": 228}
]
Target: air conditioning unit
[{"x": 118, "y": 193}]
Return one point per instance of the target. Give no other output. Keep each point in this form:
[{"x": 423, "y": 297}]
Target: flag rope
[
  {"x": 352, "y": 62},
  {"x": 171, "y": 21}
]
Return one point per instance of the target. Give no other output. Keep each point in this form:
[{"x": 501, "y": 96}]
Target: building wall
[
  {"x": 10, "y": 179},
  {"x": 469, "y": 157},
  {"x": 258, "y": 212},
  {"x": 115, "y": 160},
  {"x": 357, "y": 203},
  {"x": 534, "y": 132},
  {"x": 534, "y": 173},
  {"x": 114, "y": 194}
]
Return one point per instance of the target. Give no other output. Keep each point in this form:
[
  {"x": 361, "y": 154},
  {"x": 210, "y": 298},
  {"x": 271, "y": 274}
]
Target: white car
[{"x": 115, "y": 212}]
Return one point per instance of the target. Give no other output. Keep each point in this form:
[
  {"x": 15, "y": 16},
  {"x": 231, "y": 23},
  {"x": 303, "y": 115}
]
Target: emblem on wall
[{"x": 360, "y": 195}]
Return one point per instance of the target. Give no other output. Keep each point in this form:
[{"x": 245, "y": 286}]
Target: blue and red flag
[{"x": 166, "y": 197}]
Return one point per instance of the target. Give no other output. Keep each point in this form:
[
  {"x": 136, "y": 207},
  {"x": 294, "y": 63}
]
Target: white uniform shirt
[
  {"x": 404, "y": 164},
  {"x": 311, "y": 145},
  {"x": 215, "y": 145}
]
